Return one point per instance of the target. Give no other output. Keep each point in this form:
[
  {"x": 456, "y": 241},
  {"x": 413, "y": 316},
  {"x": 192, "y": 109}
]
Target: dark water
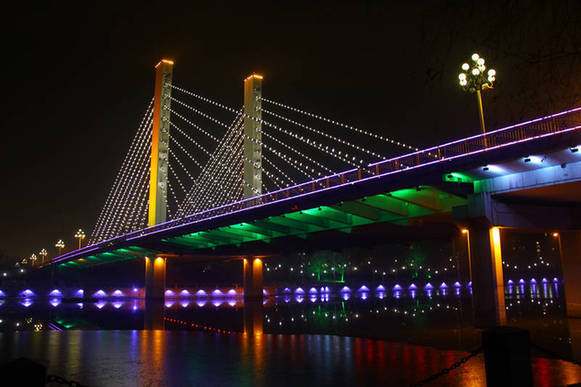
[{"x": 361, "y": 339}]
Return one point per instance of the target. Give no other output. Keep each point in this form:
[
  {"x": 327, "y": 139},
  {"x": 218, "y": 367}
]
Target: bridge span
[{"x": 525, "y": 176}]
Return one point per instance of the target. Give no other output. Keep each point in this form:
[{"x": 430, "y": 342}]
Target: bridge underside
[{"x": 400, "y": 208}]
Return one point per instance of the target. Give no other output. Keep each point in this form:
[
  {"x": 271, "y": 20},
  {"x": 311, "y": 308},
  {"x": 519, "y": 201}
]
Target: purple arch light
[
  {"x": 184, "y": 303},
  {"x": 544, "y": 280},
  {"x": 363, "y": 288},
  {"x": 510, "y": 282},
  {"x": 56, "y": 293},
  {"x": 27, "y": 293},
  {"x": 345, "y": 289},
  {"x": 169, "y": 304},
  {"x": 201, "y": 303},
  {"x": 397, "y": 287},
  {"x": 2, "y": 294},
  {"x": 299, "y": 291},
  {"x": 217, "y": 293},
  {"x": 117, "y": 304},
  {"x": 169, "y": 293},
  {"x": 201, "y": 293},
  {"x": 533, "y": 281},
  {"x": 521, "y": 281},
  {"x": 470, "y": 285},
  {"x": 555, "y": 280},
  {"x": 80, "y": 293},
  {"x": 428, "y": 286},
  {"x": 312, "y": 291},
  {"x": 231, "y": 302},
  {"x": 217, "y": 302},
  {"x": 380, "y": 288},
  {"x": 117, "y": 293},
  {"x": 443, "y": 286},
  {"x": 100, "y": 294},
  {"x": 264, "y": 292},
  {"x": 185, "y": 293},
  {"x": 233, "y": 292},
  {"x": 286, "y": 290},
  {"x": 457, "y": 284},
  {"x": 412, "y": 287}
]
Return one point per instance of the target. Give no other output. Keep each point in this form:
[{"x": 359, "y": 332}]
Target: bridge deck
[{"x": 381, "y": 192}]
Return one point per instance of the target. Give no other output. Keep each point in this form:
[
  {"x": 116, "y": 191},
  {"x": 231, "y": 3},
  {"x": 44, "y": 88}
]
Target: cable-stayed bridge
[{"x": 204, "y": 178}]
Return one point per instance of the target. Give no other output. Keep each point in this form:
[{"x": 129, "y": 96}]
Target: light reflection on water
[{"x": 289, "y": 334}]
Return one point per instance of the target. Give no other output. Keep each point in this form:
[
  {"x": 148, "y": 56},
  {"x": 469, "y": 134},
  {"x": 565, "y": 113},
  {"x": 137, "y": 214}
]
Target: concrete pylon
[
  {"x": 252, "y": 136},
  {"x": 155, "y": 266}
]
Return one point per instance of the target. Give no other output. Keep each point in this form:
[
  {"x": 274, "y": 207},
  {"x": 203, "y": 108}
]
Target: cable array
[
  {"x": 337, "y": 123},
  {"x": 202, "y": 176},
  {"x": 122, "y": 206}
]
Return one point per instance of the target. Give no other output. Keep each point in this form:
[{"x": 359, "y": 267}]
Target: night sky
[{"x": 78, "y": 76}]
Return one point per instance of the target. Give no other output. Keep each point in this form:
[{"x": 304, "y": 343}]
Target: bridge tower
[
  {"x": 252, "y": 184},
  {"x": 155, "y": 266},
  {"x": 252, "y": 136}
]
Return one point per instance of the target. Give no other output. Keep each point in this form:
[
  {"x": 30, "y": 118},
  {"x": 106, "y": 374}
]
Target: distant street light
[
  {"x": 33, "y": 259},
  {"x": 80, "y": 235},
  {"x": 60, "y": 245},
  {"x": 474, "y": 79},
  {"x": 43, "y": 253}
]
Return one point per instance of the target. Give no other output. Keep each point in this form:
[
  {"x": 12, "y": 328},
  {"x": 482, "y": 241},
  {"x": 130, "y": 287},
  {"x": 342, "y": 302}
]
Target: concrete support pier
[
  {"x": 155, "y": 278},
  {"x": 486, "y": 275},
  {"x": 252, "y": 279},
  {"x": 570, "y": 249}
]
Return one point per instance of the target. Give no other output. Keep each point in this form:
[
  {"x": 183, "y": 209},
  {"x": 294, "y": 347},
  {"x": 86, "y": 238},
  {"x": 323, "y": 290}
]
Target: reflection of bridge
[{"x": 525, "y": 175}]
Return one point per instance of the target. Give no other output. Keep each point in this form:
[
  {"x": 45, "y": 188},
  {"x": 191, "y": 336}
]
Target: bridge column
[
  {"x": 154, "y": 278},
  {"x": 252, "y": 279},
  {"x": 252, "y": 136},
  {"x": 486, "y": 275},
  {"x": 570, "y": 250}
]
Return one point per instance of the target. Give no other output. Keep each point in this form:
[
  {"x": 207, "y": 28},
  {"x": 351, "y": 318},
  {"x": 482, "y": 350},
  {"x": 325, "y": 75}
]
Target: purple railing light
[{"x": 525, "y": 131}]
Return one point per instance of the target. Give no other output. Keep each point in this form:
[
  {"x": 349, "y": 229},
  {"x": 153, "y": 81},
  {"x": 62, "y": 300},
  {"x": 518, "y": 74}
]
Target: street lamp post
[
  {"x": 33, "y": 259},
  {"x": 474, "y": 79},
  {"x": 43, "y": 253},
  {"x": 60, "y": 245},
  {"x": 80, "y": 235}
]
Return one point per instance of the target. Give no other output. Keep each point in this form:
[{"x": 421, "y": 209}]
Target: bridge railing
[
  {"x": 529, "y": 130},
  {"x": 564, "y": 121}
]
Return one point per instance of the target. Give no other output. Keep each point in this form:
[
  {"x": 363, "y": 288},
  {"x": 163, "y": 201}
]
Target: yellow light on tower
[
  {"x": 60, "y": 245},
  {"x": 80, "y": 235},
  {"x": 33, "y": 259}
]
